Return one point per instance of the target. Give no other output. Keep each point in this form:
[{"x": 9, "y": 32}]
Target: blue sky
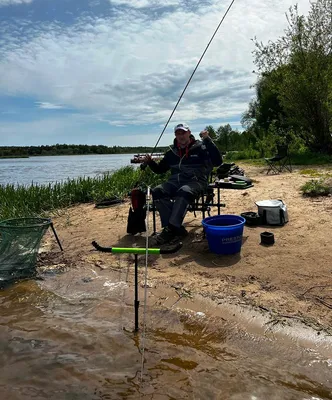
[{"x": 110, "y": 71}]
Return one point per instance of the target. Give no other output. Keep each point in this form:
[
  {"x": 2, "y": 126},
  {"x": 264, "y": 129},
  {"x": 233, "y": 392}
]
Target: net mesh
[{"x": 19, "y": 245}]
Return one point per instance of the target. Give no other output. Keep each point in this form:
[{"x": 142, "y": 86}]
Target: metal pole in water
[{"x": 136, "y": 303}]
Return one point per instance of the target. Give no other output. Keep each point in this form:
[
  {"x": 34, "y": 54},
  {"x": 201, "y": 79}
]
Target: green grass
[
  {"x": 309, "y": 171},
  {"x": 314, "y": 173},
  {"x": 249, "y": 154},
  {"x": 259, "y": 162},
  {"x": 40, "y": 200},
  {"x": 301, "y": 158}
]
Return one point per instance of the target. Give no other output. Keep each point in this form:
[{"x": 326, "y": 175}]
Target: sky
[{"x": 111, "y": 71}]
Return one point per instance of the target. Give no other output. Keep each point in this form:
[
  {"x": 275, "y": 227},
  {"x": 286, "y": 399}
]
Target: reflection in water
[{"x": 69, "y": 337}]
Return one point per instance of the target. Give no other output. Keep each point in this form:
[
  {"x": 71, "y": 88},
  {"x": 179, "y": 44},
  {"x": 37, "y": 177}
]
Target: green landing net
[{"x": 19, "y": 244}]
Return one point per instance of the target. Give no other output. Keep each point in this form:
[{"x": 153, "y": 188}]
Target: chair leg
[
  {"x": 218, "y": 198},
  {"x": 273, "y": 167},
  {"x": 154, "y": 218},
  {"x": 286, "y": 164},
  {"x": 203, "y": 206}
]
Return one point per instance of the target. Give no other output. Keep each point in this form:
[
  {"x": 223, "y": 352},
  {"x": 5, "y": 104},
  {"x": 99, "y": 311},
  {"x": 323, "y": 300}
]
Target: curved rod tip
[{"x": 100, "y": 248}]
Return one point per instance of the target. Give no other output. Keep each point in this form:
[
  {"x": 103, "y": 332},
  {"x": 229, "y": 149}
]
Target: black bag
[
  {"x": 136, "y": 221},
  {"x": 241, "y": 178},
  {"x": 225, "y": 170},
  {"x": 137, "y": 212}
]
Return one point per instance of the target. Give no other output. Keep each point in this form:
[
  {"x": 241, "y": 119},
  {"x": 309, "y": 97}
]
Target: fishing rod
[{"x": 144, "y": 165}]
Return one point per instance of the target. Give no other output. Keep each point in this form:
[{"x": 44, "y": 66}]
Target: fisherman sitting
[{"x": 191, "y": 162}]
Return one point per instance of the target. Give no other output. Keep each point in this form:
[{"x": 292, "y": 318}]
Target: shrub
[{"x": 317, "y": 187}]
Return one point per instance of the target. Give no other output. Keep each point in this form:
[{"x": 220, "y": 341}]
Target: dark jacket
[{"x": 195, "y": 164}]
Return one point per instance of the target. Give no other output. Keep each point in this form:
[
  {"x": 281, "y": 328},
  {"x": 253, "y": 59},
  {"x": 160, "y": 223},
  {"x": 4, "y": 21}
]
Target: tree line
[{"x": 71, "y": 149}]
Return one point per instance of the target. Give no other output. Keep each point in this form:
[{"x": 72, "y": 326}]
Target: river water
[
  {"x": 70, "y": 336},
  {"x": 44, "y": 170}
]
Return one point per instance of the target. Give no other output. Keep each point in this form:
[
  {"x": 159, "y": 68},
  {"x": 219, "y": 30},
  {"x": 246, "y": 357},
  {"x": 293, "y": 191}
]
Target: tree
[
  {"x": 212, "y": 132},
  {"x": 266, "y": 108},
  {"x": 298, "y": 67},
  {"x": 223, "y": 137}
]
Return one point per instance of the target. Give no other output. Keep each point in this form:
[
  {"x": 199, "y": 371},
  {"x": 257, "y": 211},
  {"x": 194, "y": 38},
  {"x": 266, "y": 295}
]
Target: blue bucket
[{"x": 224, "y": 233}]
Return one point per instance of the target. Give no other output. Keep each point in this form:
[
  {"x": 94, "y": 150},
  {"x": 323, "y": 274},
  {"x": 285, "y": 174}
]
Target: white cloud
[
  {"x": 48, "y": 106},
  {"x": 13, "y": 2},
  {"x": 131, "y": 68}
]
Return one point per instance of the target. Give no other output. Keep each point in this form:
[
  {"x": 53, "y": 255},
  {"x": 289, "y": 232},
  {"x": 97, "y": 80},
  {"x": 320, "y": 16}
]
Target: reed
[{"x": 39, "y": 200}]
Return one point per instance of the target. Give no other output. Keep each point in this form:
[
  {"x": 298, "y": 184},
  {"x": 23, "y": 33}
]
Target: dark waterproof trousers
[{"x": 172, "y": 199}]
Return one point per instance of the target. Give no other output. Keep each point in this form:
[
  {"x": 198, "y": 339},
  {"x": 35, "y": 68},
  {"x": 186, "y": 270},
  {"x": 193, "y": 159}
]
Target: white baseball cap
[{"x": 182, "y": 127}]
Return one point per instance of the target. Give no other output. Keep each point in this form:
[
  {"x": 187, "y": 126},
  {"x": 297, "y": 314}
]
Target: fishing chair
[
  {"x": 281, "y": 161},
  {"x": 202, "y": 203}
]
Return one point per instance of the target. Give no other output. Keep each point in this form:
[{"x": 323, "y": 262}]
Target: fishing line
[
  {"x": 145, "y": 280},
  {"x": 193, "y": 73}
]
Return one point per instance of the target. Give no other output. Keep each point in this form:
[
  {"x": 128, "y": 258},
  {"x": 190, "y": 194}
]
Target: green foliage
[
  {"x": 310, "y": 158},
  {"x": 316, "y": 187},
  {"x": 257, "y": 144},
  {"x": 266, "y": 108},
  {"x": 249, "y": 154},
  {"x": 34, "y": 200},
  {"x": 228, "y": 139},
  {"x": 294, "y": 89},
  {"x": 212, "y": 132}
]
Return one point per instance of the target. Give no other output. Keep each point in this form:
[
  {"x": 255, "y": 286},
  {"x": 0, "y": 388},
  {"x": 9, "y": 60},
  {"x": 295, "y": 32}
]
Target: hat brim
[{"x": 182, "y": 129}]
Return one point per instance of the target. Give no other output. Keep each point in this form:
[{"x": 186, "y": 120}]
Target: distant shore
[
  {"x": 73, "y": 150},
  {"x": 6, "y": 157}
]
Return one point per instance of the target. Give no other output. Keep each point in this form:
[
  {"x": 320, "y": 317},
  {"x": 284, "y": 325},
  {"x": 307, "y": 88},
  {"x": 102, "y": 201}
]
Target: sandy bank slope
[{"x": 291, "y": 280}]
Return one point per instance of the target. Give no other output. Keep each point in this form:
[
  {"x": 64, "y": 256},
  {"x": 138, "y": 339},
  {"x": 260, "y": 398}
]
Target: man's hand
[
  {"x": 204, "y": 134},
  {"x": 147, "y": 159}
]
